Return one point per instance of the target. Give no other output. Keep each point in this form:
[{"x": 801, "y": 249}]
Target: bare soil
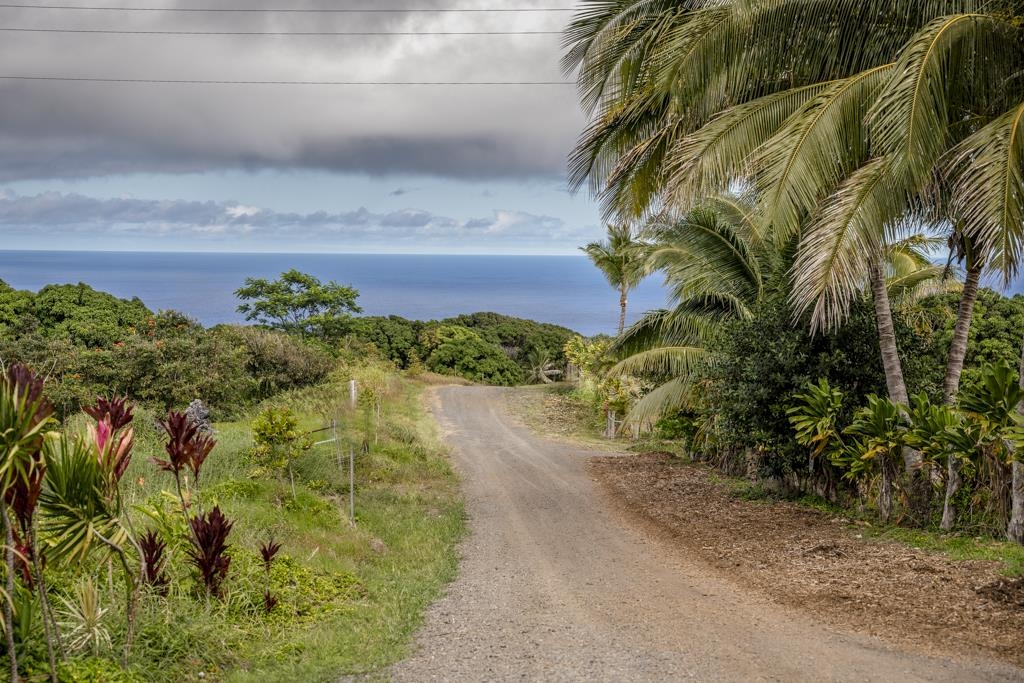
[
  {"x": 556, "y": 584},
  {"x": 805, "y": 559}
]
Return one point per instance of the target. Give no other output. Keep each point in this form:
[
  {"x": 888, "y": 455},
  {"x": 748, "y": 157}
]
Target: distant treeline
[{"x": 92, "y": 343}]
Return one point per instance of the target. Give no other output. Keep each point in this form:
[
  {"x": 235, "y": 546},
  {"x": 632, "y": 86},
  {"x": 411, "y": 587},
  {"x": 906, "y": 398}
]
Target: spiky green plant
[{"x": 83, "y": 619}]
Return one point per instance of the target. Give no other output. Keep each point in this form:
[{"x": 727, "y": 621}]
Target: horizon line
[{"x": 290, "y": 253}]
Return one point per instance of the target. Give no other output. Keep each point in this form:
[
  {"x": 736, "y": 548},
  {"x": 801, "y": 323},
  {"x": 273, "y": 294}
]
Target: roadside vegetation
[
  {"x": 824, "y": 218},
  {"x": 153, "y": 537}
]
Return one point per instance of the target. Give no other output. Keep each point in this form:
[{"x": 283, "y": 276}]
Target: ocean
[{"x": 565, "y": 290}]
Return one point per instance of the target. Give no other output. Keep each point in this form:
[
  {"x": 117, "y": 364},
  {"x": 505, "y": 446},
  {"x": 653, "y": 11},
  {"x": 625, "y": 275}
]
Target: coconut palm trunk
[
  {"x": 918, "y": 486},
  {"x": 951, "y": 386},
  {"x": 894, "y": 382},
  {"x": 1015, "y": 529},
  {"x": 623, "y": 300}
]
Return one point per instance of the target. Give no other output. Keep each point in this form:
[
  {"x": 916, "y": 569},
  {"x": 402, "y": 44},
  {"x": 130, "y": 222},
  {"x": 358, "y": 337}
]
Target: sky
[{"x": 178, "y": 167}]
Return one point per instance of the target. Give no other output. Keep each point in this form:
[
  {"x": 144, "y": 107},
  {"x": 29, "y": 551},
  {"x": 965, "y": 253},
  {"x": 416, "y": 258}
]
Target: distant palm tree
[{"x": 621, "y": 260}]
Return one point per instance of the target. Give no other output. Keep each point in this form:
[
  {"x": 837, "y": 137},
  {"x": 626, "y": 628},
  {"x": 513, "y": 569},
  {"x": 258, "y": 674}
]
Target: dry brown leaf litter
[{"x": 804, "y": 559}]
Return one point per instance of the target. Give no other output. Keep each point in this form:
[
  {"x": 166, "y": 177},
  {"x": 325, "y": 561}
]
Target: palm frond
[
  {"x": 833, "y": 256},
  {"x": 911, "y": 119},
  {"x": 817, "y": 148},
  {"x": 675, "y": 394},
  {"x": 987, "y": 177},
  {"x": 708, "y": 160},
  {"x": 660, "y": 362}
]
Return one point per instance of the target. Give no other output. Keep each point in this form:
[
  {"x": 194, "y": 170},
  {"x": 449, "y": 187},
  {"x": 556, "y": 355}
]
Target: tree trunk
[
  {"x": 623, "y": 294},
  {"x": 1015, "y": 529},
  {"x": 954, "y": 368},
  {"x": 887, "y": 338},
  {"x": 961, "y": 334},
  {"x": 12, "y": 655},
  {"x": 890, "y": 351},
  {"x": 918, "y": 486}
]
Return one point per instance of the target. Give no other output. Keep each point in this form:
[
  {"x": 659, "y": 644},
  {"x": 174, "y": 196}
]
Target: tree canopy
[{"x": 298, "y": 302}]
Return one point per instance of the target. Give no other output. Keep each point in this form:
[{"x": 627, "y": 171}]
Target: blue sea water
[{"x": 565, "y": 290}]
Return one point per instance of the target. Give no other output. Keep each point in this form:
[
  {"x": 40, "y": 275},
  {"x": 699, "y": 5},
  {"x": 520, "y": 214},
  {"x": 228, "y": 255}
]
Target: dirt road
[{"x": 556, "y": 586}]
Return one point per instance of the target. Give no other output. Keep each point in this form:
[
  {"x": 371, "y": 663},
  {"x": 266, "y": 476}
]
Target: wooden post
[
  {"x": 352, "y": 395},
  {"x": 352, "y": 484}
]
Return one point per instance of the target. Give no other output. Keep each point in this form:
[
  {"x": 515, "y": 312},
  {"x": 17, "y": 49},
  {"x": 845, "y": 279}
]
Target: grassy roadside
[
  {"x": 554, "y": 411},
  {"x": 350, "y": 597}
]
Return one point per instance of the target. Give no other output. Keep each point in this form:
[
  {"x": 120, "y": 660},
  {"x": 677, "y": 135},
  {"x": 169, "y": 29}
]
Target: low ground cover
[{"x": 338, "y": 598}]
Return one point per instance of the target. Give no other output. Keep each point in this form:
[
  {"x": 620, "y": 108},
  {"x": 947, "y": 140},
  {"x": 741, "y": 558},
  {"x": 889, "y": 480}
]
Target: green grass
[
  {"x": 957, "y": 546},
  {"x": 350, "y": 596}
]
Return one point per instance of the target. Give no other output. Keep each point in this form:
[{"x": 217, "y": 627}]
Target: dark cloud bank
[{"x": 61, "y": 130}]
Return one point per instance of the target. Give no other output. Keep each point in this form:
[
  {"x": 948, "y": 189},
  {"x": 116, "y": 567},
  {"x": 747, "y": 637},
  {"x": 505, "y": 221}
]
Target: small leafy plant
[{"x": 278, "y": 441}]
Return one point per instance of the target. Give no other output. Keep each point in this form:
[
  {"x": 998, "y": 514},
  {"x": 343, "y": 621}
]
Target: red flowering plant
[{"x": 113, "y": 436}]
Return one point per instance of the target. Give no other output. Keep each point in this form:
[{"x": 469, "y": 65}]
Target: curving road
[{"x": 555, "y": 586}]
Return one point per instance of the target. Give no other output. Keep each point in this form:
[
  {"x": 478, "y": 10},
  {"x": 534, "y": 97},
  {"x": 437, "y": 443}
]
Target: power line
[
  {"x": 288, "y": 10},
  {"x": 192, "y": 81},
  {"x": 276, "y": 33}
]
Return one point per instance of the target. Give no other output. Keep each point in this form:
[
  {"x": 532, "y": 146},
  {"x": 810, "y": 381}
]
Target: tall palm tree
[
  {"x": 619, "y": 259},
  {"x": 875, "y": 110}
]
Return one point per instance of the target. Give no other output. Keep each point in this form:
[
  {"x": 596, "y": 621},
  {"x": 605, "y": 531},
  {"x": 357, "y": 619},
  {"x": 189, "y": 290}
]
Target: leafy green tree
[
  {"x": 87, "y": 317},
  {"x": 299, "y": 303},
  {"x": 620, "y": 260},
  {"x": 455, "y": 350}
]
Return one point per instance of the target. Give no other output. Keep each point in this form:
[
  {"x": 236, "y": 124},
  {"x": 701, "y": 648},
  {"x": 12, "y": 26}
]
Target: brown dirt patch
[{"x": 802, "y": 558}]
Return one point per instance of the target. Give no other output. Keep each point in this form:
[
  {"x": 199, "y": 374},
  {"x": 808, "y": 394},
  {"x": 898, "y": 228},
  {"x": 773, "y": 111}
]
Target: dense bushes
[
  {"x": 804, "y": 411},
  {"x": 91, "y": 343},
  {"x": 482, "y": 347},
  {"x": 759, "y": 365}
]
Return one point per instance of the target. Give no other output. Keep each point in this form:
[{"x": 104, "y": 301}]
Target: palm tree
[
  {"x": 875, "y": 110},
  {"x": 718, "y": 264},
  {"x": 619, "y": 259}
]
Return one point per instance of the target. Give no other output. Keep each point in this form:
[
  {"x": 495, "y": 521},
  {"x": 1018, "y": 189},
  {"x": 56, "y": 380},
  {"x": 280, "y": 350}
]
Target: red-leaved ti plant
[
  {"x": 209, "y": 549},
  {"x": 186, "y": 446},
  {"x": 268, "y": 551},
  {"x": 153, "y": 554},
  {"x": 113, "y": 435}
]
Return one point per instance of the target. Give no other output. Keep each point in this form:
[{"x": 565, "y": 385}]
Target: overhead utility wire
[
  {"x": 190, "y": 81},
  {"x": 276, "y": 33},
  {"x": 289, "y": 10}
]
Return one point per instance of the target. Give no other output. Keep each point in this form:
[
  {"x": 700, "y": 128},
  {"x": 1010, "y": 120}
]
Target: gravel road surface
[{"x": 555, "y": 585}]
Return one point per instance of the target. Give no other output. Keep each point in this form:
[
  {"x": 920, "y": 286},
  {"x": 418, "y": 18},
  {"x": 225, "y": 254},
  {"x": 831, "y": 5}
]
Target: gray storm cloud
[{"x": 59, "y": 129}]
